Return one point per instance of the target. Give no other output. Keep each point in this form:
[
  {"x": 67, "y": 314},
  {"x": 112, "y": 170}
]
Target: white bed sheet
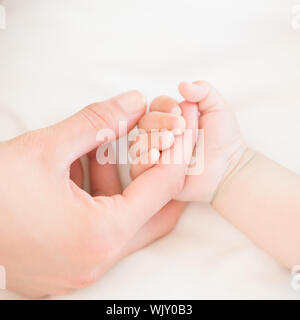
[{"x": 57, "y": 56}]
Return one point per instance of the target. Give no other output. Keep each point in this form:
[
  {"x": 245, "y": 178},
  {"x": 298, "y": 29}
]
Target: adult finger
[
  {"x": 97, "y": 123},
  {"x": 104, "y": 178}
]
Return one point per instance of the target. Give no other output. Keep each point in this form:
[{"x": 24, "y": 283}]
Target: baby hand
[
  {"x": 157, "y": 131},
  {"x": 223, "y": 142}
]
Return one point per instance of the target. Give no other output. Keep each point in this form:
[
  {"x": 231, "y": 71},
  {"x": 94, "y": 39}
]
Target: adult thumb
[{"x": 77, "y": 135}]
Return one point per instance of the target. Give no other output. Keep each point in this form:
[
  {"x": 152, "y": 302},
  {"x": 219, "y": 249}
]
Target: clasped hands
[{"x": 56, "y": 237}]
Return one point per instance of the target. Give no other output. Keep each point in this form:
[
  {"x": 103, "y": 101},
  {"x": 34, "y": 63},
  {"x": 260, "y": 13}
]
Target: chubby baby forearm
[{"x": 262, "y": 199}]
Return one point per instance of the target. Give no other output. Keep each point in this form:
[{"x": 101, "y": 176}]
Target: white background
[{"x": 57, "y": 56}]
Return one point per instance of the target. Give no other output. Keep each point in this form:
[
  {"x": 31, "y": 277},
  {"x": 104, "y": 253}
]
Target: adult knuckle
[{"x": 95, "y": 116}]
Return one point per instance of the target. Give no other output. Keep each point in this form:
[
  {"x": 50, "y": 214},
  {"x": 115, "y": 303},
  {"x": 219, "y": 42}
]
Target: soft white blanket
[{"x": 57, "y": 56}]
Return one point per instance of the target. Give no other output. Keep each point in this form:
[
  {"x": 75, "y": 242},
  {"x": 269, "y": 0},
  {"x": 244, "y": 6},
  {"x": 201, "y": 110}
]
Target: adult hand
[{"x": 54, "y": 236}]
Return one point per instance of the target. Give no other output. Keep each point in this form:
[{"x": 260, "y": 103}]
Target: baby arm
[
  {"x": 262, "y": 199},
  {"x": 255, "y": 194}
]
